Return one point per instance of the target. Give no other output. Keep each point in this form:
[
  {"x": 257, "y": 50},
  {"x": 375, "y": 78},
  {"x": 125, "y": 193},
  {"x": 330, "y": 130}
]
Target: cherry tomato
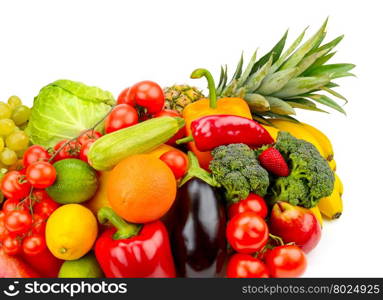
[
  {"x": 11, "y": 245},
  {"x": 41, "y": 174},
  {"x": 246, "y": 266},
  {"x": 18, "y": 221},
  {"x": 122, "y": 116},
  {"x": 89, "y": 135},
  {"x": 172, "y": 113},
  {"x": 34, "y": 244},
  {"x": 71, "y": 150},
  {"x": 176, "y": 161},
  {"x": 11, "y": 205},
  {"x": 45, "y": 207},
  {"x": 38, "y": 224},
  {"x": 85, "y": 149},
  {"x": 126, "y": 98},
  {"x": 252, "y": 203},
  {"x": 15, "y": 186},
  {"x": 247, "y": 232},
  {"x": 286, "y": 261},
  {"x": 147, "y": 94},
  {"x": 35, "y": 153}
]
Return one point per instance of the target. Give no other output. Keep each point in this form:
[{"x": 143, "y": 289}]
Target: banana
[
  {"x": 272, "y": 131},
  {"x": 339, "y": 184},
  {"x": 332, "y": 164},
  {"x": 299, "y": 131},
  {"x": 315, "y": 210},
  {"x": 332, "y": 206},
  {"x": 323, "y": 140}
]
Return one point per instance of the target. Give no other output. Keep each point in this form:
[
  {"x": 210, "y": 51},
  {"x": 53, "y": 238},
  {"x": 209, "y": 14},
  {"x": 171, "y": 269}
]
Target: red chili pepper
[
  {"x": 131, "y": 250},
  {"x": 212, "y": 131},
  {"x": 44, "y": 263}
]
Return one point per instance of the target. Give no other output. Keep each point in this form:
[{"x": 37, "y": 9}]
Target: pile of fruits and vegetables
[{"x": 168, "y": 182}]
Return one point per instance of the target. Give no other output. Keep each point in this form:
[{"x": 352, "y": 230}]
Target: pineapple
[
  {"x": 177, "y": 97},
  {"x": 281, "y": 81}
]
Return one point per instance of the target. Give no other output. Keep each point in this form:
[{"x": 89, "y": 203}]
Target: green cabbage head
[{"x": 65, "y": 108}]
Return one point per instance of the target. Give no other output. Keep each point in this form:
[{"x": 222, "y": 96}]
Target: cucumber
[{"x": 109, "y": 150}]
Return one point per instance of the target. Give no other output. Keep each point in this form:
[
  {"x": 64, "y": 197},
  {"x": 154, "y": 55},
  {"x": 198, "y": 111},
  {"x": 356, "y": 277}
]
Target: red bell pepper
[
  {"x": 45, "y": 263},
  {"x": 212, "y": 131},
  {"x": 14, "y": 267},
  {"x": 133, "y": 251}
]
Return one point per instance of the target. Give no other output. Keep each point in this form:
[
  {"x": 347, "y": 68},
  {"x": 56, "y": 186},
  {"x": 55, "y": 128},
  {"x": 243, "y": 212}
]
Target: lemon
[{"x": 71, "y": 231}]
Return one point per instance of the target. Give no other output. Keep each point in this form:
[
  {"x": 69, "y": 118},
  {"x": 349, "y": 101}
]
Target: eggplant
[{"x": 196, "y": 224}]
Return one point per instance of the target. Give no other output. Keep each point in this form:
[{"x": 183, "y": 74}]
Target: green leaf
[
  {"x": 308, "y": 61},
  {"x": 319, "y": 62},
  {"x": 283, "y": 57},
  {"x": 255, "y": 80},
  {"x": 303, "y": 103},
  {"x": 331, "y": 45},
  {"x": 248, "y": 69},
  {"x": 298, "y": 55},
  {"x": 331, "y": 69},
  {"x": 334, "y": 93},
  {"x": 279, "y": 106},
  {"x": 257, "y": 103},
  {"x": 278, "y": 116},
  {"x": 331, "y": 85},
  {"x": 274, "y": 53},
  {"x": 222, "y": 83},
  {"x": 238, "y": 70},
  {"x": 317, "y": 44},
  {"x": 302, "y": 85},
  {"x": 276, "y": 81},
  {"x": 261, "y": 119},
  {"x": 341, "y": 74},
  {"x": 231, "y": 87},
  {"x": 323, "y": 99}
]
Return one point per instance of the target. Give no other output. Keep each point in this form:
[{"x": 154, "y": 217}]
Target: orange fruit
[{"x": 141, "y": 188}]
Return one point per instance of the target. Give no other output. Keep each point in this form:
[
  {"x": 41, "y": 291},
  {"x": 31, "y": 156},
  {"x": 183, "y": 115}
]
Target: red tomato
[
  {"x": 45, "y": 207},
  {"x": 41, "y": 174},
  {"x": 38, "y": 224},
  {"x": 176, "y": 161},
  {"x": 12, "y": 204},
  {"x": 71, "y": 150},
  {"x": 246, "y": 266},
  {"x": 172, "y": 113},
  {"x": 89, "y": 135},
  {"x": 252, "y": 203},
  {"x": 247, "y": 233},
  {"x": 11, "y": 245},
  {"x": 34, "y": 244},
  {"x": 35, "y": 153},
  {"x": 3, "y": 230},
  {"x": 122, "y": 116},
  {"x": 286, "y": 261},
  {"x": 15, "y": 186},
  {"x": 85, "y": 149},
  {"x": 126, "y": 98},
  {"x": 147, "y": 94},
  {"x": 18, "y": 221}
]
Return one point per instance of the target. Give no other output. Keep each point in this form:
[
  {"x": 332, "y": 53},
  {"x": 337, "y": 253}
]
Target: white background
[{"x": 113, "y": 44}]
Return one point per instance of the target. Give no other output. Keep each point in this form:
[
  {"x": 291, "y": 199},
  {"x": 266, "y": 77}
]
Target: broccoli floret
[
  {"x": 236, "y": 168},
  {"x": 310, "y": 177}
]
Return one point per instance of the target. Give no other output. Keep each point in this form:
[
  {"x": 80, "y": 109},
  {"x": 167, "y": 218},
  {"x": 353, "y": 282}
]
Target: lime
[
  {"x": 76, "y": 182},
  {"x": 85, "y": 267}
]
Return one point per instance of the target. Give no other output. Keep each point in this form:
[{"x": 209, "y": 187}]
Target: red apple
[{"x": 295, "y": 224}]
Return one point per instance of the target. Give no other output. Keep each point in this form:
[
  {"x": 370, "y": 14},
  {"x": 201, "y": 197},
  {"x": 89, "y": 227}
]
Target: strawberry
[{"x": 272, "y": 160}]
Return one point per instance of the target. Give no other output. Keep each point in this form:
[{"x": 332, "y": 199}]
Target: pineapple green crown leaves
[{"x": 282, "y": 80}]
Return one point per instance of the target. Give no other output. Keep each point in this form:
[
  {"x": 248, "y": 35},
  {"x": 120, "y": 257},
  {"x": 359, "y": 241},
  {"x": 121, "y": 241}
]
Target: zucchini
[{"x": 109, "y": 150}]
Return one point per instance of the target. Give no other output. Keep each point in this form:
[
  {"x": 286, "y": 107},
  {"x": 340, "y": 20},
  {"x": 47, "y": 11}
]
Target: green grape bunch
[{"x": 14, "y": 141}]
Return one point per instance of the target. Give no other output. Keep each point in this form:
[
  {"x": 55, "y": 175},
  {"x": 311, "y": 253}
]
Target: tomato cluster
[
  {"x": 248, "y": 234},
  {"x": 22, "y": 223},
  {"x": 28, "y": 206}
]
